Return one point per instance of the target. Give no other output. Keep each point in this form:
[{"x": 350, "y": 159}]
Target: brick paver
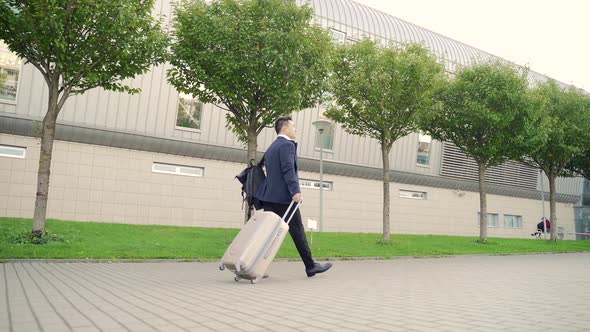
[{"x": 475, "y": 293}]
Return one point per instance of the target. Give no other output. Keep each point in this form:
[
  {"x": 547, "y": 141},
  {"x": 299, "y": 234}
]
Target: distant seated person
[{"x": 541, "y": 227}]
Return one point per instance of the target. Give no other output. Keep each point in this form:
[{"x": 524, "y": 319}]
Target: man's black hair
[{"x": 280, "y": 122}]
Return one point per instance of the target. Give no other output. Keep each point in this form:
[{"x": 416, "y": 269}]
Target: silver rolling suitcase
[{"x": 253, "y": 249}]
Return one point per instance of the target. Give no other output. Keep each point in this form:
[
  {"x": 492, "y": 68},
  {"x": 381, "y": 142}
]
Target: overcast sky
[{"x": 552, "y": 37}]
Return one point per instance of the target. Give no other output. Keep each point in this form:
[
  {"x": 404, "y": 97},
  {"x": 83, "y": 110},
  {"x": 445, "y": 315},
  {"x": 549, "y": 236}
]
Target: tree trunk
[
  {"x": 552, "y": 211},
  {"x": 252, "y": 146},
  {"x": 47, "y": 137},
  {"x": 386, "y": 197},
  {"x": 483, "y": 204}
]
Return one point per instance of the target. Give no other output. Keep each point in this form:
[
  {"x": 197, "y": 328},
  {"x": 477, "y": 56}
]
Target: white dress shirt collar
[{"x": 285, "y": 136}]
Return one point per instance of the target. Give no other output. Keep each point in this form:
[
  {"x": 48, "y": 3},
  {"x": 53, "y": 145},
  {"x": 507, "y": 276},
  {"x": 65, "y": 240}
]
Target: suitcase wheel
[
  {"x": 221, "y": 267},
  {"x": 236, "y": 278}
]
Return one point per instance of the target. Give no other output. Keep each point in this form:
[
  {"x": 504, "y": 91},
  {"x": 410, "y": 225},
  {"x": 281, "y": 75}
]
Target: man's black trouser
[{"x": 295, "y": 229}]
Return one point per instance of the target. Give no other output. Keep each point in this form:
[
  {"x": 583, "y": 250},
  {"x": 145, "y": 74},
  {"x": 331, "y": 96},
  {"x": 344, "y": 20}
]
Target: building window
[
  {"x": 351, "y": 40},
  {"x": 493, "y": 219},
  {"x": 423, "y": 156},
  {"x": 412, "y": 194},
  {"x": 338, "y": 37},
  {"x": 189, "y": 112},
  {"x": 13, "y": 151},
  {"x": 177, "y": 169},
  {"x": 511, "y": 221},
  {"x": 9, "y": 73},
  {"x": 313, "y": 184}
]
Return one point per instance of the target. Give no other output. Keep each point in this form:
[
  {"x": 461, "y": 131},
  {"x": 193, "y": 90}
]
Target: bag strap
[{"x": 261, "y": 162}]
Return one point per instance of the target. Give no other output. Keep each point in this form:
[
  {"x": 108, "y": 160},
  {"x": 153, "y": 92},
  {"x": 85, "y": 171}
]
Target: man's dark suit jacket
[{"x": 282, "y": 181}]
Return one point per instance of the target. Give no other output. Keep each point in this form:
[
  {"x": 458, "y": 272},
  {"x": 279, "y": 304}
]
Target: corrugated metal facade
[
  {"x": 456, "y": 165},
  {"x": 153, "y": 111}
]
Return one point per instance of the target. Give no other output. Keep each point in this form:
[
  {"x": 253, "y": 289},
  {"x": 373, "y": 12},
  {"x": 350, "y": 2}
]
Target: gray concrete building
[{"x": 160, "y": 157}]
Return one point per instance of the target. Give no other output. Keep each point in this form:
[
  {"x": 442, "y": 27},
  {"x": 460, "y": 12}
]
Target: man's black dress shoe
[{"x": 318, "y": 268}]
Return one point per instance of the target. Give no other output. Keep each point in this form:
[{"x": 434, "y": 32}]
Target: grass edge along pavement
[{"x": 110, "y": 241}]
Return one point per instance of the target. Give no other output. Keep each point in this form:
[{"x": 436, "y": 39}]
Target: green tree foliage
[
  {"x": 378, "y": 91},
  {"x": 486, "y": 111},
  {"x": 580, "y": 163},
  {"x": 78, "y": 45},
  {"x": 568, "y": 136},
  {"x": 260, "y": 59}
]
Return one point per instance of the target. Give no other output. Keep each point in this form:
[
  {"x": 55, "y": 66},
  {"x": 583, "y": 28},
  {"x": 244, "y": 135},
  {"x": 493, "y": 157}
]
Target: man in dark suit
[{"x": 282, "y": 185}]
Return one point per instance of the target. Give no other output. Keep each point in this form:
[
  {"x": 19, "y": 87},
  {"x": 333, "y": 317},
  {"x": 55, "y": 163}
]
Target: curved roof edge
[
  {"x": 15, "y": 125},
  {"x": 360, "y": 20}
]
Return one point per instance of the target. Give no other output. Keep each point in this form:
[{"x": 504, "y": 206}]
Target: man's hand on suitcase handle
[{"x": 297, "y": 197}]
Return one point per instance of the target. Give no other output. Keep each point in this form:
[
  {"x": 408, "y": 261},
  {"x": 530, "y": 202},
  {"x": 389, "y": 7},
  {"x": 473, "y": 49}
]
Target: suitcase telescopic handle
[{"x": 292, "y": 212}]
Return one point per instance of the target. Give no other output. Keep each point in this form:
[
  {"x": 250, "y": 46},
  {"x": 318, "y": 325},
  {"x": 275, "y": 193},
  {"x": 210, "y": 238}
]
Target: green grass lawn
[{"x": 119, "y": 241}]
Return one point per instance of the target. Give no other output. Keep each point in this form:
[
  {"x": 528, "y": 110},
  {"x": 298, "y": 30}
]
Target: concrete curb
[{"x": 212, "y": 260}]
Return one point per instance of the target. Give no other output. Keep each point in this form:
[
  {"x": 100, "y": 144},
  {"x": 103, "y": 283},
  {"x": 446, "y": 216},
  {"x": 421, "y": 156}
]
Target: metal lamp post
[{"x": 321, "y": 125}]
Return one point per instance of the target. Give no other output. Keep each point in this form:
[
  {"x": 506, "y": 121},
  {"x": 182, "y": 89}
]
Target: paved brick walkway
[{"x": 474, "y": 293}]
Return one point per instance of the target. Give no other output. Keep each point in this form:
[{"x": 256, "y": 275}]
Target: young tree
[
  {"x": 78, "y": 45},
  {"x": 261, "y": 59},
  {"x": 568, "y": 111},
  {"x": 378, "y": 92},
  {"x": 486, "y": 111}
]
